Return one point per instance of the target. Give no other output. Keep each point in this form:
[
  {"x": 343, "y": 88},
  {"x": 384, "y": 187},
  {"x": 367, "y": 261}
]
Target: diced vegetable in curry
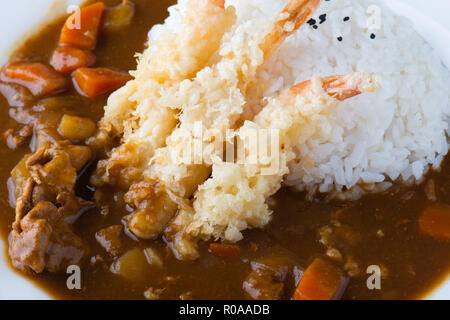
[
  {"x": 83, "y": 32},
  {"x": 53, "y": 94},
  {"x": 69, "y": 59},
  {"x": 94, "y": 82},
  {"x": 38, "y": 78}
]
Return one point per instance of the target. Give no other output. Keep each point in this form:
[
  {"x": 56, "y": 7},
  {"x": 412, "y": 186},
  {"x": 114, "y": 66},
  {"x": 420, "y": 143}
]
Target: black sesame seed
[
  {"x": 346, "y": 19},
  {"x": 323, "y": 18},
  {"x": 311, "y": 22},
  {"x": 340, "y": 39},
  {"x": 373, "y": 36}
]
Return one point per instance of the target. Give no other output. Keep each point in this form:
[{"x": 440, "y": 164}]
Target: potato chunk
[
  {"x": 132, "y": 265},
  {"x": 119, "y": 17},
  {"x": 76, "y": 128}
]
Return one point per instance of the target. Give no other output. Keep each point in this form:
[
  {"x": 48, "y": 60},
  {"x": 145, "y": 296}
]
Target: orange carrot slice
[
  {"x": 219, "y": 3},
  {"x": 434, "y": 221},
  {"x": 36, "y": 77},
  {"x": 322, "y": 280},
  {"x": 93, "y": 82},
  {"x": 81, "y": 28},
  {"x": 224, "y": 250},
  {"x": 68, "y": 59}
]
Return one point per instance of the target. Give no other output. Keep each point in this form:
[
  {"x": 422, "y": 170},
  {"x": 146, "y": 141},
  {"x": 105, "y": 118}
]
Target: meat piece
[
  {"x": 20, "y": 176},
  {"x": 57, "y": 166},
  {"x": 266, "y": 282},
  {"x": 79, "y": 156},
  {"x": 152, "y": 202},
  {"x": 273, "y": 276},
  {"x": 53, "y": 167},
  {"x": 42, "y": 239},
  {"x": 72, "y": 207},
  {"x": 17, "y": 96},
  {"x": 110, "y": 239},
  {"x": 183, "y": 245},
  {"x": 24, "y": 202},
  {"x": 15, "y": 141}
]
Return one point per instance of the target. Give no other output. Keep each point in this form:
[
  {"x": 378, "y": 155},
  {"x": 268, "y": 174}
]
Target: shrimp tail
[
  {"x": 340, "y": 87},
  {"x": 295, "y": 14}
]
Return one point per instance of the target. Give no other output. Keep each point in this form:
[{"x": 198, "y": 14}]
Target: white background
[{"x": 21, "y": 17}]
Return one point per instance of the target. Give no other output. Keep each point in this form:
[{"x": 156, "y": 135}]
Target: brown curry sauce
[{"x": 379, "y": 229}]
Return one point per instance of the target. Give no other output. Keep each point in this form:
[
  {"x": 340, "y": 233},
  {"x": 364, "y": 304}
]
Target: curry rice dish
[{"x": 92, "y": 137}]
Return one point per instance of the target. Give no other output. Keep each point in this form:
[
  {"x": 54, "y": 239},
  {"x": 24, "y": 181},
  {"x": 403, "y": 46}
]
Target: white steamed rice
[{"x": 399, "y": 132}]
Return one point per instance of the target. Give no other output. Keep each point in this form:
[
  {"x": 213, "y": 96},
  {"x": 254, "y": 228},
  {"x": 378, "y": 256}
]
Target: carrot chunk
[
  {"x": 219, "y": 3},
  {"x": 434, "y": 221},
  {"x": 322, "y": 280},
  {"x": 93, "y": 82},
  {"x": 81, "y": 28},
  {"x": 224, "y": 250},
  {"x": 36, "y": 77},
  {"x": 68, "y": 59}
]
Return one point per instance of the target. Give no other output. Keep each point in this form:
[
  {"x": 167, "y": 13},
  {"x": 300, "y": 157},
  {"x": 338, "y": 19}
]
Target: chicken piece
[
  {"x": 110, "y": 239},
  {"x": 72, "y": 207},
  {"x": 53, "y": 167},
  {"x": 270, "y": 277},
  {"x": 182, "y": 244},
  {"x": 46, "y": 206},
  {"x": 57, "y": 166},
  {"x": 17, "y": 96},
  {"x": 79, "y": 156},
  {"x": 15, "y": 141},
  {"x": 42, "y": 240},
  {"x": 151, "y": 201}
]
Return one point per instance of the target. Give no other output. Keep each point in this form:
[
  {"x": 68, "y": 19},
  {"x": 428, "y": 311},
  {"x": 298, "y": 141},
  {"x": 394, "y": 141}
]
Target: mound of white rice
[{"x": 398, "y": 132}]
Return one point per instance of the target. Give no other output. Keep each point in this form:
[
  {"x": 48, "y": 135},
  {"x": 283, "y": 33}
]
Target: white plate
[{"x": 18, "y": 17}]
